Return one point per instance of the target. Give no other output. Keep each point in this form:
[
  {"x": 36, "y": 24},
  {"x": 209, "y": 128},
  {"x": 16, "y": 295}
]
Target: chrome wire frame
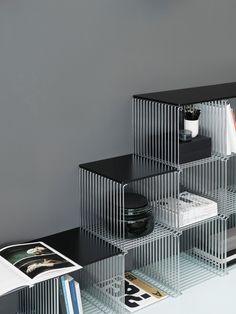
[
  {"x": 231, "y": 225},
  {"x": 212, "y": 123},
  {"x": 102, "y": 206},
  {"x": 157, "y": 262},
  {"x": 101, "y": 284},
  {"x": 156, "y": 130},
  {"x": 231, "y": 185},
  {"x": 43, "y": 298},
  {"x": 203, "y": 252},
  {"x": 207, "y": 179}
]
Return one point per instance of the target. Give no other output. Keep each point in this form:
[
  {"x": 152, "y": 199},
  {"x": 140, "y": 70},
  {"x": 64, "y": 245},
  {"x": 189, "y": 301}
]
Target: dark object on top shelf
[
  {"x": 187, "y": 96},
  {"x": 191, "y": 113},
  {"x": 191, "y": 122},
  {"x": 198, "y": 148},
  {"x": 139, "y": 220},
  {"x": 127, "y": 168},
  {"x": 80, "y": 246},
  {"x": 185, "y": 135}
]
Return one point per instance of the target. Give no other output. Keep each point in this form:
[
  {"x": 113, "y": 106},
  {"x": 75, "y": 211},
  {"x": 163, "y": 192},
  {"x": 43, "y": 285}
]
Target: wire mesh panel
[
  {"x": 156, "y": 130},
  {"x": 231, "y": 185},
  {"x": 231, "y": 241},
  {"x": 40, "y": 299},
  {"x": 102, "y": 206},
  {"x": 213, "y": 123},
  {"x": 203, "y": 252},
  {"x": 205, "y": 184},
  {"x": 103, "y": 209},
  {"x": 101, "y": 284},
  {"x": 157, "y": 262}
]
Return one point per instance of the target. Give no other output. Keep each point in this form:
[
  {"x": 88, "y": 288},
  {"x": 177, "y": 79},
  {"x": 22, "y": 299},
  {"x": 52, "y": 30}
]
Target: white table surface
[{"x": 215, "y": 296}]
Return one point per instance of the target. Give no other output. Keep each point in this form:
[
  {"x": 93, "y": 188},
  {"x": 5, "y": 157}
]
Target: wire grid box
[
  {"x": 231, "y": 185},
  {"x": 157, "y": 262},
  {"x": 206, "y": 178},
  {"x": 203, "y": 251},
  {"x": 158, "y": 118},
  {"x": 103, "y": 185},
  {"x": 101, "y": 284},
  {"x": 231, "y": 252}
]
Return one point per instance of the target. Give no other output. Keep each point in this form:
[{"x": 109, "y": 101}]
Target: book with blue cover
[
  {"x": 64, "y": 301},
  {"x": 73, "y": 296}
]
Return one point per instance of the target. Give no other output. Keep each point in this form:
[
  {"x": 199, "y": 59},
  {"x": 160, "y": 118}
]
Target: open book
[{"x": 23, "y": 265}]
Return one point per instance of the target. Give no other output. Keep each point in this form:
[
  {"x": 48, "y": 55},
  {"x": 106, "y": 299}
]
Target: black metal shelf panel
[
  {"x": 194, "y": 95},
  {"x": 81, "y": 246},
  {"x": 127, "y": 168}
]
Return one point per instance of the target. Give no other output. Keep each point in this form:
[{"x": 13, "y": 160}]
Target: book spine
[
  {"x": 62, "y": 303},
  {"x": 77, "y": 288},
  {"x": 67, "y": 284},
  {"x": 63, "y": 284},
  {"x": 74, "y": 296}
]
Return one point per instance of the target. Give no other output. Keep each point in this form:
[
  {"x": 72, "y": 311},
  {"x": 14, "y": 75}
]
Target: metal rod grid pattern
[
  {"x": 203, "y": 252},
  {"x": 40, "y": 299},
  {"x": 102, "y": 205},
  {"x": 208, "y": 179},
  {"x": 104, "y": 282},
  {"x": 156, "y": 130},
  {"x": 231, "y": 185},
  {"x": 231, "y": 224},
  {"x": 102, "y": 289},
  {"x": 213, "y": 122},
  {"x": 157, "y": 262}
]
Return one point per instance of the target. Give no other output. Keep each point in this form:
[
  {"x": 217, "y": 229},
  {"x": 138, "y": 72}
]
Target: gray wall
[{"x": 67, "y": 73}]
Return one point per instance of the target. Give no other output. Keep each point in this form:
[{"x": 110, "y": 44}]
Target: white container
[{"x": 192, "y": 125}]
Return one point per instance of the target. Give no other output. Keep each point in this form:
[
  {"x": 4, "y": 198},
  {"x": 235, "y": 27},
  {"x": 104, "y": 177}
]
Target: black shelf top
[
  {"x": 127, "y": 168},
  {"x": 80, "y": 246},
  {"x": 187, "y": 96}
]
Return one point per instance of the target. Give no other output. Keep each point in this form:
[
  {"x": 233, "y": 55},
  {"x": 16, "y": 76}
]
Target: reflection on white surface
[{"x": 215, "y": 296}]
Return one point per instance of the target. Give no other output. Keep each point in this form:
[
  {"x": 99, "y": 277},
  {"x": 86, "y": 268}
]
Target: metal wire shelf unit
[
  {"x": 231, "y": 185},
  {"x": 207, "y": 179},
  {"x": 96, "y": 280},
  {"x": 157, "y": 262},
  {"x": 156, "y": 127},
  {"x": 102, "y": 197},
  {"x": 154, "y": 255},
  {"x": 203, "y": 252},
  {"x": 231, "y": 252}
]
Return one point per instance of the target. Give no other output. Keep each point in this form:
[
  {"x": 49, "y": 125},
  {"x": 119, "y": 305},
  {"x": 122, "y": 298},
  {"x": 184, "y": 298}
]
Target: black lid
[{"x": 134, "y": 200}]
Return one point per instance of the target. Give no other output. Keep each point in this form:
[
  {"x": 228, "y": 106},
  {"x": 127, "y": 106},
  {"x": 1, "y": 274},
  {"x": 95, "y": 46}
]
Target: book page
[
  {"x": 37, "y": 261},
  {"x": 10, "y": 280}
]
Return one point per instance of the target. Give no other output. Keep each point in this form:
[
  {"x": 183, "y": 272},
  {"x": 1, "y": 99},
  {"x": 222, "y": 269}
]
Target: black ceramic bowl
[{"x": 138, "y": 216}]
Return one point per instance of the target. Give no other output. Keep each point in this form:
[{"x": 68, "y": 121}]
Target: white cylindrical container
[{"x": 192, "y": 125}]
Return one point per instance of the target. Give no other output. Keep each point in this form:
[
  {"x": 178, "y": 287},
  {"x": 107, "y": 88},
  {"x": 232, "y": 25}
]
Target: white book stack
[{"x": 192, "y": 208}]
